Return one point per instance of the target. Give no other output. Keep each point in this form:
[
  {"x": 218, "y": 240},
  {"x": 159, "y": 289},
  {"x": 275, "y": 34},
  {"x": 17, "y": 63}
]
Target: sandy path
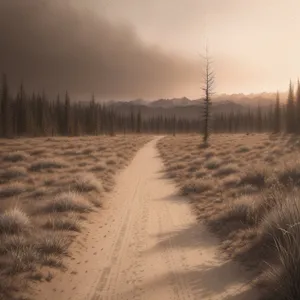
[{"x": 146, "y": 244}]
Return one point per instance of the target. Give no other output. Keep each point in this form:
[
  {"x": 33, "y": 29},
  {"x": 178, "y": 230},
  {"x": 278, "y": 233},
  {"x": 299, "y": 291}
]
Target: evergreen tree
[
  {"x": 67, "y": 114},
  {"x": 138, "y": 122},
  {"x": 298, "y": 108},
  {"x": 290, "y": 110},
  {"x": 277, "y": 115},
  {"x": 4, "y": 112}
]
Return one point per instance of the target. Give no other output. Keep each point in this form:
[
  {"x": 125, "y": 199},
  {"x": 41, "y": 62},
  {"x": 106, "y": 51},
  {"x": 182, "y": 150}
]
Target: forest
[{"x": 37, "y": 115}]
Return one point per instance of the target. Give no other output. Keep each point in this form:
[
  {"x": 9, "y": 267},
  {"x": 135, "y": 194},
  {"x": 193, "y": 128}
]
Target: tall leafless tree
[{"x": 208, "y": 87}]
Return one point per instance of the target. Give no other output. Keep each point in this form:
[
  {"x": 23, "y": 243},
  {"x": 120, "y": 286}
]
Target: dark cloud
[{"x": 52, "y": 45}]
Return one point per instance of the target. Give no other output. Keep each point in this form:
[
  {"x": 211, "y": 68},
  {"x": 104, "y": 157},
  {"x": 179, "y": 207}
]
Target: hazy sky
[{"x": 126, "y": 49}]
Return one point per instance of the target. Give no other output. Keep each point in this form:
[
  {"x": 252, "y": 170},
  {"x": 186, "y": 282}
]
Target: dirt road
[{"x": 146, "y": 244}]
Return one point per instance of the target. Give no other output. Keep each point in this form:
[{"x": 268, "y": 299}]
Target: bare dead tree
[{"x": 208, "y": 87}]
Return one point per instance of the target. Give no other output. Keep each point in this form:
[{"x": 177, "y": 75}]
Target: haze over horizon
[{"x": 130, "y": 49}]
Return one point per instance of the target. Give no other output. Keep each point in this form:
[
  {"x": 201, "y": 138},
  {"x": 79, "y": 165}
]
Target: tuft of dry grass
[
  {"x": 196, "y": 186},
  {"x": 16, "y": 156},
  {"x": 87, "y": 182},
  {"x": 13, "y": 173},
  {"x": 227, "y": 169},
  {"x": 12, "y": 189},
  {"x": 13, "y": 221},
  {"x": 99, "y": 167},
  {"x": 52, "y": 243},
  {"x": 68, "y": 202},
  {"x": 213, "y": 163},
  {"x": 257, "y": 176},
  {"x": 69, "y": 223},
  {"x": 46, "y": 164}
]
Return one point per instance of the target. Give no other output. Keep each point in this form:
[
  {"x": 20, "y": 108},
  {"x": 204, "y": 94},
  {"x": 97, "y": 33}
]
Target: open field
[
  {"x": 146, "y": 244},
  {"x": 245, "y": 188},
  {"x": 47, "y": 188}
]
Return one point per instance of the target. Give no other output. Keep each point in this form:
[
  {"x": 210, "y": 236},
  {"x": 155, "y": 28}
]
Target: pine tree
[
  {"x": 4, "y": 112},
  {"x": 298, "y": 108},
  {"x": 139, "y": 122},
  {"x": 277, "y": 115},
  {"x": 67, "y": 113},
  {"x": 290, "y": 110}
]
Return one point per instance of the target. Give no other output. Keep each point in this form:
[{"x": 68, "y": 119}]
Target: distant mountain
[
  {"x": 181, "y": 108},
  {"x": 192, "y": 109}
]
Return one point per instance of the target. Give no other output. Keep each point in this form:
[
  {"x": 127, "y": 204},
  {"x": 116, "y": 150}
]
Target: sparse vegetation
[
  {"x": 68, "y": 202},
  {"x": 13, "y": 221},
  {"x": 252, "y": 203},
  {"x": 46, "y": 191}
]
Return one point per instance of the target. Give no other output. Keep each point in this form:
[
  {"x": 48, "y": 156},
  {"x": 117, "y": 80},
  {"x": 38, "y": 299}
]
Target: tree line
[{"x": 36, "y": 115}]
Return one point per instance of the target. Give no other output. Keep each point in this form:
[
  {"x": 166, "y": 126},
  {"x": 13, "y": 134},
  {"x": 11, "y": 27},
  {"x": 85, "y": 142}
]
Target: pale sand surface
[{"x": 146, "y": 244}]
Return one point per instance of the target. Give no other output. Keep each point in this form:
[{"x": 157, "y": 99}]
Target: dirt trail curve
[{"x": 146, "y": 244}]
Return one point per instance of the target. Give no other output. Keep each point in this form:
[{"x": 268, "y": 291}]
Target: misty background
[{"x": 131, "y": 49}]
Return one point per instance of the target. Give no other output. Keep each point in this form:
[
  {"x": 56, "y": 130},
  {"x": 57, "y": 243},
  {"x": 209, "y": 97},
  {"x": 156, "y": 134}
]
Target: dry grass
[
  {"x": 246, "y": 190},
  {"x": 12, "y": 189},
  {"x": 47, "y": 188},
  {"x": 71, "y": 223},
  {"x": 47, "y": 164},
  {"x": 87, "y": 182},
  {"x": 68, "y": 202},
  {"x": 13, "y": 221},
  {"x": 13, "y": 173}
]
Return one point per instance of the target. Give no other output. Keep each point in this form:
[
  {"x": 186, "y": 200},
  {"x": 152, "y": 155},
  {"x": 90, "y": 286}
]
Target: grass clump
[
  {"x": 70, "y": 223},
  {"x": 99, "y": 167},
  {"x": 227, "y": 169},
  {"x": 289, "y": 172},
  {"x": 240, "y": 212},
  {"x": 13, "y": 173},
  {"x": 281, "y": 228},
  {"x": 87, "y": 182},
  {"x": 243, "y": 149},
  {"x": 256, "y": 176},
  {"x": 52, "y": 243},
  {"x": 68, "y": 202},
  {"x": 197, "y": 186},
  {"x": 16, "y": 156},
  {"x": 231, "y": 181},
  {"x": 13, "y": 221},
  {"x": 46, "y": 164},
  {"x": 13, "y": 189},
  {"x": 212, "y": 164}
]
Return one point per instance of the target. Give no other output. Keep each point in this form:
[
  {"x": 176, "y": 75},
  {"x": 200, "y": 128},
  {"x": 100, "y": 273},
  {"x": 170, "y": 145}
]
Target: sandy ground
[{"x": 146, "y": 244}]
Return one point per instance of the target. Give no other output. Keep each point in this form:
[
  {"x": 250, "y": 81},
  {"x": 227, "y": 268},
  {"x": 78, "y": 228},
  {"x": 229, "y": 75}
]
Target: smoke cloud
[{"x": 56, "y": 46}]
